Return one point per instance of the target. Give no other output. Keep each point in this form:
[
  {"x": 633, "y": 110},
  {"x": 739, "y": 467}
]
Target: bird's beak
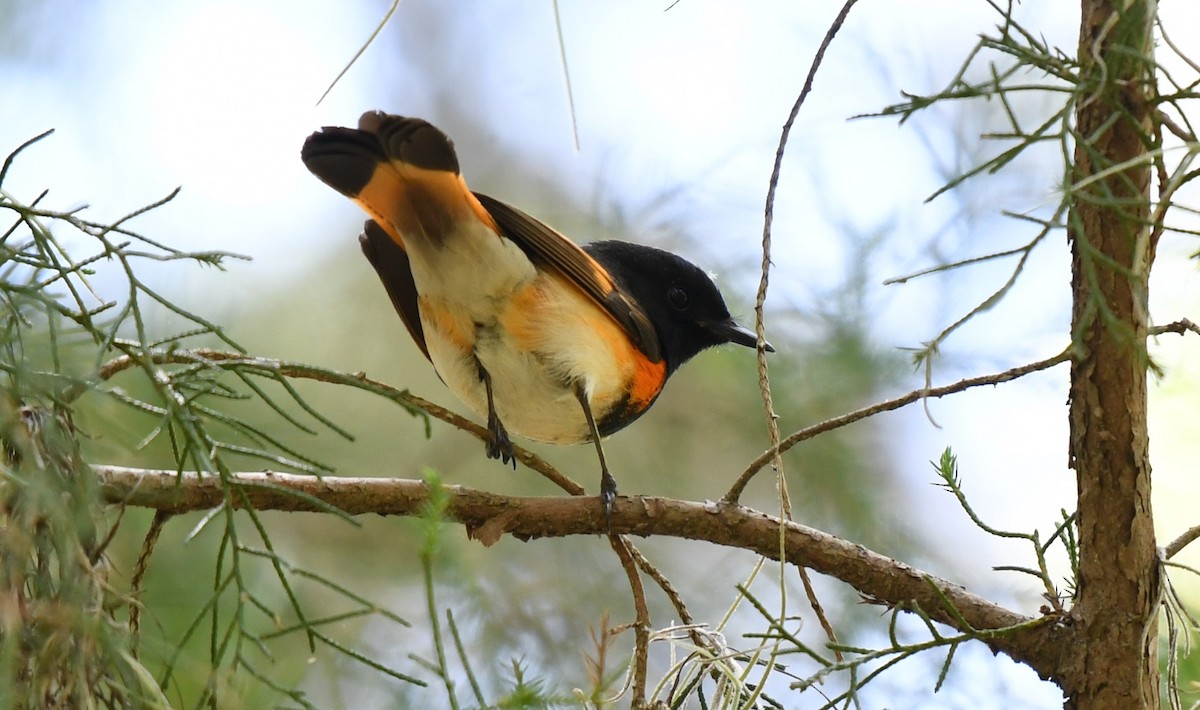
[{"x": 731, "y": 332}]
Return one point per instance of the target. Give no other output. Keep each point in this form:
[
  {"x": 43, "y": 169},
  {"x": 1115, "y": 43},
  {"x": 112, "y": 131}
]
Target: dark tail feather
[
  {"x": 345, "y": 158},
  {"x": 411, "y": 140}
]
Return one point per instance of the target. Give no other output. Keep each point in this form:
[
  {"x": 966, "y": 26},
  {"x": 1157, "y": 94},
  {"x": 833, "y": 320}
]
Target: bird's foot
[
  {"x": 499, "y": 446},
  {"x": 608, "y": 494}
]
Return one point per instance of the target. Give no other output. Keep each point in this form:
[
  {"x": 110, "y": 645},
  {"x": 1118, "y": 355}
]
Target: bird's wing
[
  {"x": 550, "y": 248},
  {"x": 391, "y": 263}
]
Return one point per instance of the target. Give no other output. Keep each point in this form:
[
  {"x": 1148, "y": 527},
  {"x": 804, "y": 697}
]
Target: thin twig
[
  {"x": 735, "y": 491},
  {"x": 1180, "y": 327},
  {"x": 562, "y": 58},
  {"x": 139, "y": 573},
  {"x": 374, "y": 33},
  {"x": 764, "y": 383},
  {"x": 13, "y": 155},
  {"x": 237, "y": 361},
  {"x": 664, "y": 583},
  {"x": 1180, "y": 132},
  {"x": 1181, "y": 542},
  {"x": 641, "y": 627}
]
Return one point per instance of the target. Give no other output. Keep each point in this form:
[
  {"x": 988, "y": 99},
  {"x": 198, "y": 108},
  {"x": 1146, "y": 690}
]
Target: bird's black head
[{"x": 682, "y": 301}]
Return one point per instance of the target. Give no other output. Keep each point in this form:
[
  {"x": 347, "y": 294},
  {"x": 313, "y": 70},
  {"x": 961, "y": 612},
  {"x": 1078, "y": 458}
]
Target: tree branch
[
  {"x": 488, "y": 516},
  {"x": 1187, "y": 538},
  {"x": 1179, "y": 327}
]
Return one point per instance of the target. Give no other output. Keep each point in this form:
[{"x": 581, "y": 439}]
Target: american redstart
[{"x": 548, "y": 340}]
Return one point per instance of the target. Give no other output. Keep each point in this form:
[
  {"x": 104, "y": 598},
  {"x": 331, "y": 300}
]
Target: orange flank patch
[
  {"x": 640, "y": 378},
  {"x": 516, "y": 319},
  {"x": 411, "y": 202},
  {"x": 648, "y": 379},
  {"x": 646, "y": 376},
  {"x": 456, "y": 328}
]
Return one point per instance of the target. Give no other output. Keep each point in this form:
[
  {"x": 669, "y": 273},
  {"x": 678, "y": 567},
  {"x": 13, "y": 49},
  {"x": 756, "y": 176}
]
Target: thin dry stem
[
  {"x": 139, "y": 573},
  {"x": 764, "y": 382},
  {"x": 1179, "y": 327},
  {"x": 1181, "y": 542},
  {"x": 735, "y": 491},
  {"x": 268, "y": 366},
  {"x": 641, "y": 627}
]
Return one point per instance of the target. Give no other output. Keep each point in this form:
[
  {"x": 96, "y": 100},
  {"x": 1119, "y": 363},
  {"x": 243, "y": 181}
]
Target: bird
[{"x": 546, "y": 339}]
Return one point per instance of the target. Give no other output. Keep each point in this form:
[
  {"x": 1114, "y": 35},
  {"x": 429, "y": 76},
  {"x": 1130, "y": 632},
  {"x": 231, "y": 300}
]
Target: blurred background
[{"x": 678, "y": 113}]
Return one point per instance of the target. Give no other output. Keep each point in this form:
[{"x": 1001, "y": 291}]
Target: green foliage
[
  {"x": 528, "y": 692},
  {"x": 238, "y": 622},
  {"x": 234, "y": 619},
  {"x": 59, "y": 645},
  {"x": 1014, "y": 62},
  {"x": 1064, "y": 534},
  {"x": 1003, "y": 67},
  {"x": 71, "y": 639}
]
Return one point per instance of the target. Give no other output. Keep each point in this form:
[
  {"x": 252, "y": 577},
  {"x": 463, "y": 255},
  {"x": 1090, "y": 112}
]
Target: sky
[{"x": 678, "y": 112}]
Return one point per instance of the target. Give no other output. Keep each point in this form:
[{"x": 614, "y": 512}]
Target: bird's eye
[{"x": 678, "y": 298}]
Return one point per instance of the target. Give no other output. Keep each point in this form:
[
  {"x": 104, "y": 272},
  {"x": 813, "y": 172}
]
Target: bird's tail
[{"x": 403, "y": 172}]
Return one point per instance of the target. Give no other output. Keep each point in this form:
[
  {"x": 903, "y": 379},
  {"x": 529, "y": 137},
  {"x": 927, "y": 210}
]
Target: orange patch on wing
[
  {"x": 637, "y": 327},
  {"x": 644, "y": 377},
  {"x": 601, "y": 276},
  {"x": 410, "y": 202}
]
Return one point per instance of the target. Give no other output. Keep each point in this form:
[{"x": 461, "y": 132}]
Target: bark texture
[
  {"x": 1041, "y": 642},
  {"x": 1116, "y": 665}
]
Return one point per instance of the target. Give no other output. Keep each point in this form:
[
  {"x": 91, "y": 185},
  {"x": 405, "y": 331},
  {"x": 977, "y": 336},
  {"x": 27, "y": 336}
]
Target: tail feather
[
  {"x": 343, "y": 158},
  {"x": 346, "y": 158},
  {"x": 411, "y": 140},
  {"x": 402, "y": 171}
]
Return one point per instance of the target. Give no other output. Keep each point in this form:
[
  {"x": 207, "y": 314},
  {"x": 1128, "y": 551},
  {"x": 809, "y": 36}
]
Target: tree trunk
[{"x": 1111, "y": 244}]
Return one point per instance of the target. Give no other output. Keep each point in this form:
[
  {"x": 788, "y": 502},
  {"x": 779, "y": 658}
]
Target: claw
[
  {"x": 499, "y": 446},
  {"x": 608, "y": 494}
]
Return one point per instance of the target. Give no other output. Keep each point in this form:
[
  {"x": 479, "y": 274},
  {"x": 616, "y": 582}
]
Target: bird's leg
[
  {"x": 608, "y": 484},
  {"x": 499, "y": 446}
]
